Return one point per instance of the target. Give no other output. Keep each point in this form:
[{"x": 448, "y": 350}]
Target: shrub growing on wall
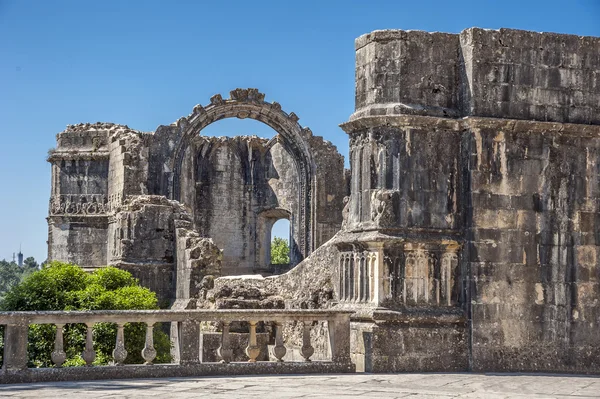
[{"x": 63, "y": 286}]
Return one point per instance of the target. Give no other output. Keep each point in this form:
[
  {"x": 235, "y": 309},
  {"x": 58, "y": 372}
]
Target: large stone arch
[{"x": 250, "y": 103}]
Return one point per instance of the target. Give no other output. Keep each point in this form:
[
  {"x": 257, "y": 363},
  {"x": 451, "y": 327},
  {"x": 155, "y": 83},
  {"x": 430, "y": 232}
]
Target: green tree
[
  {"x": 280, "y": 251},
  {"x": 30, "y": 265},
  {"x": 10, "y": 275},
  {"x": 63, "y": 286}
]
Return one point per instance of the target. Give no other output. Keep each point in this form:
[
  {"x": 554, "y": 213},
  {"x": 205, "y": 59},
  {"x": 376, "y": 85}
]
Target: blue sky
[{"x": 144, "y": 63}]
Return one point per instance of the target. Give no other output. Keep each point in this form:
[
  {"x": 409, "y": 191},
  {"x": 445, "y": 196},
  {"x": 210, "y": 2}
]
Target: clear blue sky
[{"x": 145, "y": 63}]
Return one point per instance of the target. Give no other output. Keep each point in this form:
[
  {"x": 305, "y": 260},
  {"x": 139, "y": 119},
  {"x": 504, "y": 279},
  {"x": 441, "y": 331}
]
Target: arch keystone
[{"x": 240, "y": 95}]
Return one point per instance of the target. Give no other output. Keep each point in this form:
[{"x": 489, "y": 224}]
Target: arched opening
[
  {"x": 240, "y": 182},
  {"x": 275, "y": 227},
  {"x": 274, "y": 175}
]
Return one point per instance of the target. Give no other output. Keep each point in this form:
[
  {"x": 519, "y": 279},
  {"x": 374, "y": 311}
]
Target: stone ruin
[
  {"x": 465, "y": 238},
  {"x": 145, "y": 202}
]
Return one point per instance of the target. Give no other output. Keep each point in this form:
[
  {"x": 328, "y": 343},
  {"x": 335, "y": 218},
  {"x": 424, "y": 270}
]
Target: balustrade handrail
[
  {"x": 185, "y": 335},
  {"x": 158, "y": 316}
]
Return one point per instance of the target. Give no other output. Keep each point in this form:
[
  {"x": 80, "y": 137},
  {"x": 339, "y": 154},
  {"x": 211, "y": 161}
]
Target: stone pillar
[
  {"x": 189, "y": 342},
  {"x": 15, "y": 347},
  {"x": 339, "y": 338}
]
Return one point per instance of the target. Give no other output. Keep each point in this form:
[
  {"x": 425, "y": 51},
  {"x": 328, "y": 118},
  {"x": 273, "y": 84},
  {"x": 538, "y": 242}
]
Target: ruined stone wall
[
  {"x": 513, "y": 184},
  {"x": 142, "y": 240},
  {"x": 402, "y": 178},
  {"x": 237, "y": 188},
  {"x": 534, "y": 247},
  {"x": 515, "y": 74},
  {"x": 415, "y": 72},
  {"x": 118, "y": 194},
  {"x": 503, "y": 74},
  {"x": 470, "y": 233},
  {"x": 331, "y": 189},
  {"x": 533, "y": 194},
  {"x": 79, "y": 199},
  {"x": 128, "y": 164},
  {"x": 198, "y": 264}
]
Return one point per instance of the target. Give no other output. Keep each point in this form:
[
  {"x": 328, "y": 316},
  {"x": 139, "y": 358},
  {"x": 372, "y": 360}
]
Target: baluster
[
  {"x": 89, "y": 355},
  {"x": 307, "y": 350},
  {"x": 58, "y": 355},
  {"x": 252, "y": 350},
  {"x": 224, "y": 351},
  {"x": 149, "y": 353},
  {"x": 119, "y": 354},
  {"x": 279, "y": 349}
]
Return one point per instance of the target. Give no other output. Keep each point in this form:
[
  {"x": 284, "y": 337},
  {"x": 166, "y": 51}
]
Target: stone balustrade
[
  {"x": 185, "y": 336},
  {"x": 358, "y": 277},
  {"x": 406, "y": 276}
]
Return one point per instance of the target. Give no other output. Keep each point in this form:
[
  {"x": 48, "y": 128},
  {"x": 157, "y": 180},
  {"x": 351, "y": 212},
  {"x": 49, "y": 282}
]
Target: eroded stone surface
[
  {"x": 470, "y": 215},
  {"x": 118, "y": 194}
]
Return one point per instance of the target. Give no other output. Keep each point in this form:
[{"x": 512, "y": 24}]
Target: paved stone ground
[{"x": 323, "y": 386}]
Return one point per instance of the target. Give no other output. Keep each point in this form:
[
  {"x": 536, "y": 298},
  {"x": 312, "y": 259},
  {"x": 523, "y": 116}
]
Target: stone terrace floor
[{"x": 323, "y": 386}]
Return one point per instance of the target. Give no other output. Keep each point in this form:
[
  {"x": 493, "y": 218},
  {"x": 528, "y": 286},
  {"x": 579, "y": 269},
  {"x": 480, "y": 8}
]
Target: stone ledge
[
  {"x": 469, "y": 122},
  {"x": 404, "y": 109},
  {"x": 78, "y": 155},
  {"x": 387, "y": 35},
  {"x": 439, "y": 317},
  {"x": 446, "y": 316},
  {"x": 171, "y": 370}
]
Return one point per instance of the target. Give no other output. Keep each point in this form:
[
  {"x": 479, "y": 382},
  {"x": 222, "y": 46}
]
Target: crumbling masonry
[
  {"x": 132, "y": 199},
  {"x": 469, "y": 238}
]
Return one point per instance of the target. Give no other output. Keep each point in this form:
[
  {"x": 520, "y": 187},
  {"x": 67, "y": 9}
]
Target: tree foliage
[
  {"x": 280, "y": 251},
  {"x": 63, "y": 286},
  {"x": 11, "y": 274},
  {"x": 30, "y": 265}
]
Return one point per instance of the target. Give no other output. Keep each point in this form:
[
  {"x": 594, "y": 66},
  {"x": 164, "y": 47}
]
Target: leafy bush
[
  {"x": 63, "y": 286},
  {"x": 280, "y": 251}
]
